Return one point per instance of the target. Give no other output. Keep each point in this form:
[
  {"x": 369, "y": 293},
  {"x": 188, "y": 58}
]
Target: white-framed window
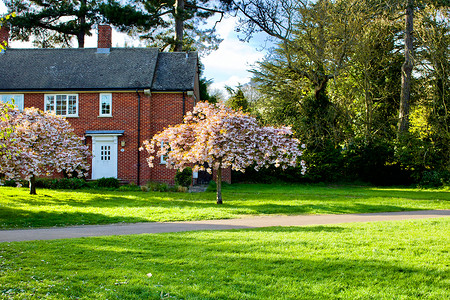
[
  {"x": 105, "y": 105},
  {"x": 163, "y": 157},
  {"x": 62, "y": 104},
  {"x": 16, "y": 99}
]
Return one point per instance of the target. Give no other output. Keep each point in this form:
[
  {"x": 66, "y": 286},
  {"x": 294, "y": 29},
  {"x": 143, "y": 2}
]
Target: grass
[
  {"x": 50, "y": 208},
  {"x": 380, "y": 260}
]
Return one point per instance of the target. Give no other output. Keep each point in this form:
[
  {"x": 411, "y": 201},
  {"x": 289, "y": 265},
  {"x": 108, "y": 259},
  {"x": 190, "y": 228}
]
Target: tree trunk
[
  {"x": 179, "y": 23},
  {"x": 403, "y": 116},
  {"x": 219, "y": 185},
  {"x": 32, "y": 185},
  {"x": 82, "y": 22},
  {"x": 80, "y": 38},
  {"x": 320, "y": 90}
]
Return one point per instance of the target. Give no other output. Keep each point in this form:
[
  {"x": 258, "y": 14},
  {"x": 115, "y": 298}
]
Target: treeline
[{"x": 364, "y": 84}]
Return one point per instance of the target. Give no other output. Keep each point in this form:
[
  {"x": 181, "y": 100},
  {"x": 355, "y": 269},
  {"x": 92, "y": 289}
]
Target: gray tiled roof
[
  {"x": 175, "y": 70},
  {"x": 85, "y": 69}
]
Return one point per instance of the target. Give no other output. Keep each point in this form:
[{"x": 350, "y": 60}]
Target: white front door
[{"x": 104, "y": 163}]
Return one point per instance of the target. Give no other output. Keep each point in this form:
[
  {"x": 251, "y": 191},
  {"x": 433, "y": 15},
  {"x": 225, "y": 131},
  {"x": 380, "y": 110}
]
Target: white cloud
[
  {"x": 232, "y": 81},
  {"x": 230, "y": 63}
]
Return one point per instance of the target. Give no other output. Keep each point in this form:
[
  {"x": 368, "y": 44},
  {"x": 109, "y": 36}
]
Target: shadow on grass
[
  {"x": 227, "y": 265},
  {"x": 11, "y": 218}
]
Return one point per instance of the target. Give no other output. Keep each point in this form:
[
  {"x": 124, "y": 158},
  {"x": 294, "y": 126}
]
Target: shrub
[
  {"x": 434, "y": 178},
  {"x": 63, "y": 183},
  {"x": 157, "y": 186},
  {"x": 51, "y": 183},
  {"x": 184, "y": 178},
  {"x": 129, "y": 187},
  {"x": 109, "y": 182},
  {"x": 12, "y": 183},
  {"x": 181, "y": 189},
  {"x": 45, "y": 183}
]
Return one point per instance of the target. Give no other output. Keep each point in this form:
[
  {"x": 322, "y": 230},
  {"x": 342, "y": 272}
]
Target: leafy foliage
[
  {"x": 184, "y": 177},
  {"x": 109, "y": 182},
  {"x": 156, "y": 186},
  {"x": 237, "y": 100},
  {"x": 337, "y": 82}
]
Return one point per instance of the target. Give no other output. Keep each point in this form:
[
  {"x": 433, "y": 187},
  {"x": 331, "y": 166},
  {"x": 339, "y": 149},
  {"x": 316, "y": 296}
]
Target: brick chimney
[
  {"x": 104, "y": 38},
  {"x": 4, "y": 35}
]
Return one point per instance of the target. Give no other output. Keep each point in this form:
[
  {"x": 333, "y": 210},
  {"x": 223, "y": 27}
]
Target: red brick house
[{"x": 115, "y": 97}]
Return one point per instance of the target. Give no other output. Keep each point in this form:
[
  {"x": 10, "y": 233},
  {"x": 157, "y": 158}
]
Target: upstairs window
[
  {"x": 62, "y": 105},
  {"x": 105, "y": 105},
  {"x": 16, "y": 99}
]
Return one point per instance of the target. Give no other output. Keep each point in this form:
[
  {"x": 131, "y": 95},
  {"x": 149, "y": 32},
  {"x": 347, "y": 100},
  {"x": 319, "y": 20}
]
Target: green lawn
[
  {"x": 380, "y": 260},
  {"x": 49, "y": 208}
]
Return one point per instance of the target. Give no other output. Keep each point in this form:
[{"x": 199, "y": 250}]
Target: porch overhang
[{"x": 104, "y": 132}]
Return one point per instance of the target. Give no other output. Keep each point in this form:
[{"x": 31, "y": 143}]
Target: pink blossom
[
  {"x": 224, "y": 138},
  {"x": 37, "y": 143}
]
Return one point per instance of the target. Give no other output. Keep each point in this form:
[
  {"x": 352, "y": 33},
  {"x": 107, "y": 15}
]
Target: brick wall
[
  {"x": 157, "y": 112},
  {"x": 4, "y": 35},
  {"x": 104, "y": 36}
]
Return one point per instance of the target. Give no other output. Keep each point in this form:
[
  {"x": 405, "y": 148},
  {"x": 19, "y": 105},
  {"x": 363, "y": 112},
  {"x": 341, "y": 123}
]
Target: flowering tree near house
[
  {"x": 223, "y": 138},
  {"x": 38, "y": 143}
]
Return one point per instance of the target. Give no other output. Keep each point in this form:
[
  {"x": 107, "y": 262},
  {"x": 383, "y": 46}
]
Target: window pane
[
  {"x": 64, "y": 105},
  {"x": 50, "y": 103},
  {"x": 17, "y": 100},
  {"x": 61, "y": 105},
  {"x": 163, "y": 158},
  {"x": 72, "y": 105},
  {"x": 105, "y": 104}
]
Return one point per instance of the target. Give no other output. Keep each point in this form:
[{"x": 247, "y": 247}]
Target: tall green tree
[
  {"x": 237, "y": 99},
  {"x": 181, "y": 23},
  {"x": 430, "y": 116},
  {"x": 50, "y": 23},
  {"x": 411, "y": 9},
  {"x": 316, "y": 41}
]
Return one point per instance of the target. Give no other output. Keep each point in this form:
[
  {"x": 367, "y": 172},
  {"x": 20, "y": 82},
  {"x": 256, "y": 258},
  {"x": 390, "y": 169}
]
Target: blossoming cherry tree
[
  {"x": 223, "y": 138},
  {"x": 37, "y": 143}
]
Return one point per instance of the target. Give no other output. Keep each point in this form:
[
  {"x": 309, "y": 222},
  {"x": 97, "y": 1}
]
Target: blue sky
[{"x": 226, "y": 66}]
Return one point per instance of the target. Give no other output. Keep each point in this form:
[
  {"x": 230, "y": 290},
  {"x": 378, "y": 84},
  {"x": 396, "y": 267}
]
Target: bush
[
  {"x": 12, "y": 183},
  {"x": 51, "y": 183},
  {"x": 156, "y": 187},
  {"x": 109, "y": 182},
  {"x": 45, "y": 183},
  {"x": 130, "y": 187},
  {"x": 181, "y": 189},
  {"x": 184, "y": 178},
  {"x": 434, "y": 179},
  {"x": 63, "y": 183}
]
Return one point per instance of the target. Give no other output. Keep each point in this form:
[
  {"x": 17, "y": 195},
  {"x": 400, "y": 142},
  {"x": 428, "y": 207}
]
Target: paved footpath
[{"x": 249, "y": 222}]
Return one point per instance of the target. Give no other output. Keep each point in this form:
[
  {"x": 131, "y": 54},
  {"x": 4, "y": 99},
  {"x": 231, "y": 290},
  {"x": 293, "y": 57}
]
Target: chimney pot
[{"x": 104, "y": 38}]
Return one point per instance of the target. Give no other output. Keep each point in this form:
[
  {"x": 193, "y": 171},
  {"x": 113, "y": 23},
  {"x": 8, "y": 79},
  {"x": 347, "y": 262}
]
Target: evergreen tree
[
  {"x": 179, "y": 23},
  {"x": 50, "y": 23},
  {"x": 237, "y": 99}
]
